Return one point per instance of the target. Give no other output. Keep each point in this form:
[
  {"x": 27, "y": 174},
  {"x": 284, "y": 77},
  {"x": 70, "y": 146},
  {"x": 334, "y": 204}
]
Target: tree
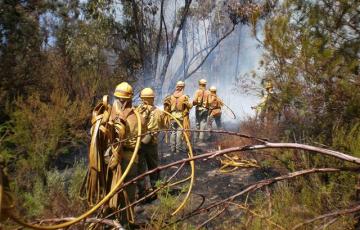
[{"x": 314, "y": 62}]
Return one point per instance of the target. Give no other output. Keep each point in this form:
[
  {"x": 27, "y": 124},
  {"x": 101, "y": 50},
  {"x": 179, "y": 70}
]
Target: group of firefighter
[
  {"x": 115, "y": 128},
  {"x": 116, "y": 125},
  {"x": 208, "y": 107}
]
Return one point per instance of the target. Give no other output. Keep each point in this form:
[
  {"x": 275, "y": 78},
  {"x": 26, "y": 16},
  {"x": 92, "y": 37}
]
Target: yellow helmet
[
  {"x": 213, "y": 89},
  {"x": 202, "y": 82},
  {"x": 180, "y": 83},
  {"x": 123, "y": 90},
  {"x": 147, "y": 93},
  {"x": 268, "y": 85}
]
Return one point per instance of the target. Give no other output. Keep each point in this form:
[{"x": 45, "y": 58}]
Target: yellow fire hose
[
  {"x": 234, "y": 162},
  {"x": 192, "y": 165},
  {"x": 119, "y": 183},
  {"x": 233, "y": 116},
  {"x": 103, "y": 201}
]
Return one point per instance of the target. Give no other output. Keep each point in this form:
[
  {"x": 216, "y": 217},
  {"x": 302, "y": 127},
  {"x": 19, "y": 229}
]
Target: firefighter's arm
[
  {"x": 195, "y": 101},
  {"x": 160, "y": 119},
  {"x": 154, "y": 121},
  {"x": 221, "y": 103},
  {"x": 188, "y": 103},
  {"x": 152, "y": 125}
]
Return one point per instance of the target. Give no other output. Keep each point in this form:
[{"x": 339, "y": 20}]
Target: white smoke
[{"x": 237, "y": 55}]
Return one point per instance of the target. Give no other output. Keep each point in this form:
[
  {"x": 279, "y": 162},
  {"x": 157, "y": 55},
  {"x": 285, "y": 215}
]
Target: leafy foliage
[
  {"x": 42, "y": 131},
  {"x": 314, "y": 62}
]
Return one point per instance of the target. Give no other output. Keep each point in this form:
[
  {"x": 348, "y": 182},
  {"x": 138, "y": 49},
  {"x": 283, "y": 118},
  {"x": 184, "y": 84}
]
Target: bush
[{"x": 38, "y": 133}]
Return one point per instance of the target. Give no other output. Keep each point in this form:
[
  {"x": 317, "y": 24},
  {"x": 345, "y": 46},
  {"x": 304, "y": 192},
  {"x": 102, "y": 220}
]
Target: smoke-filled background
[
  {"x": 230, "y": 63},
  {"x": 210, "y": 46}
]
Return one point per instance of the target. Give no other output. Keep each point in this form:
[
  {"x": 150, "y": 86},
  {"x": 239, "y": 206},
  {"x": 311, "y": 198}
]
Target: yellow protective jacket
[
  {"x": 178, "y": 104},
  {"x": 201, "y": 98},
  {"x": 215, "y": 104},
  {"x": 125, "y": 125},
  {"x": 154, "y": 119},
  {"x": 124, "y": 134}
]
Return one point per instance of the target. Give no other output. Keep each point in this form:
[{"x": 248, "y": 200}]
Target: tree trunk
[{"x": 159, "y": 80}]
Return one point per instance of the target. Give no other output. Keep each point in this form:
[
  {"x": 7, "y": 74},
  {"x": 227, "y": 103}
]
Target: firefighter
[
  {"x": 124, "y": 125},
  {"x": 179, "y": 105},
  {"x": 215, "y": 104},
  {"x": 154, "y": 120},
  {"x": 201, "y": 110},
  {"x": 264, "y": 110}
]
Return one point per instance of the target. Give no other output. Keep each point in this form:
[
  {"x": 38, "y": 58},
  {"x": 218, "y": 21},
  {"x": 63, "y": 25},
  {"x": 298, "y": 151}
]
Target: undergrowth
[{"x": 295, "y": 201}]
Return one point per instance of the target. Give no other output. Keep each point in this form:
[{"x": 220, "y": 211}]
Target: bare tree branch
[
  {"x": 208, "y": 54},
  {"x": 253, "y": 213},
  {"x": 149, "y": 194},
  {"x": 113, "y": 223},
  {"x": 261, "y": 140},
  {"x": 160, "y": 79},
  {"x": 156, "y": 57},
  {"x": 166, "y": 34},
  {"x": 259, "y": 184},
  {"x": 266, "y": 182},
  {"x": 331, "y": 214},
  {"x": 212, "y": 217},
  {"x": 328, "y": 152}
]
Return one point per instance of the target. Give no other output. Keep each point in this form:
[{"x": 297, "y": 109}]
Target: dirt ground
[{"x": 211, "y": 184}]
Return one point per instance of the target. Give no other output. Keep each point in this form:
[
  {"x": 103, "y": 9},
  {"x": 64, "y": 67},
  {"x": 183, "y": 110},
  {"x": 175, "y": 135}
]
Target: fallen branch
[
  {"x": 151, "y": 193},
  {"x": 262, "y": 140},
  {"x": 113, "y": 223},
  {"x": 336, "y": 154},
  {"x": 260, "y": 184},
  {"x": 327, "y": 224},
  {"x": 211, "y": 218},
  {"x": 267, "y": 145},
  {"x": 257, "y": 215},
  {"x": 332, "y": 214},
  {"x": 266, "y": 182}
]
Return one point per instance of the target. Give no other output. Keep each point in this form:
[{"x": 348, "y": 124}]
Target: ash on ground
[{"x": 211, "y": 185}]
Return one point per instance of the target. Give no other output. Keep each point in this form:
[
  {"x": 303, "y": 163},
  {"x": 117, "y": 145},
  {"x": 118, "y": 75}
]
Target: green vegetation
[
  {"x": 312, "y": 58},
  {"x": 57, "y": 58},
  {"x": 161, "y": 217}
]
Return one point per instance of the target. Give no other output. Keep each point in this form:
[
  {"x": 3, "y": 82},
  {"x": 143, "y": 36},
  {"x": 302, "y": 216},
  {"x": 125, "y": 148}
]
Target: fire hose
[
  {"x": 192, "y": 165},
  {"x": 230, "y": 110},
  {"x": 234, "y": 162},
  {"x": 119, "y": 184},
  {"x": 102, "y": 202}
]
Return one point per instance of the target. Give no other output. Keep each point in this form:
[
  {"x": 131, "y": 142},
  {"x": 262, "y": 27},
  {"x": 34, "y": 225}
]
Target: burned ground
[{"x": 212, "y": 185}]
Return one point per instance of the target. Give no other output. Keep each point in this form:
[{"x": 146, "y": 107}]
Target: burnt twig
[
  {"x": 260, "y": 184},
  {"x": 331, "y": 214}
]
